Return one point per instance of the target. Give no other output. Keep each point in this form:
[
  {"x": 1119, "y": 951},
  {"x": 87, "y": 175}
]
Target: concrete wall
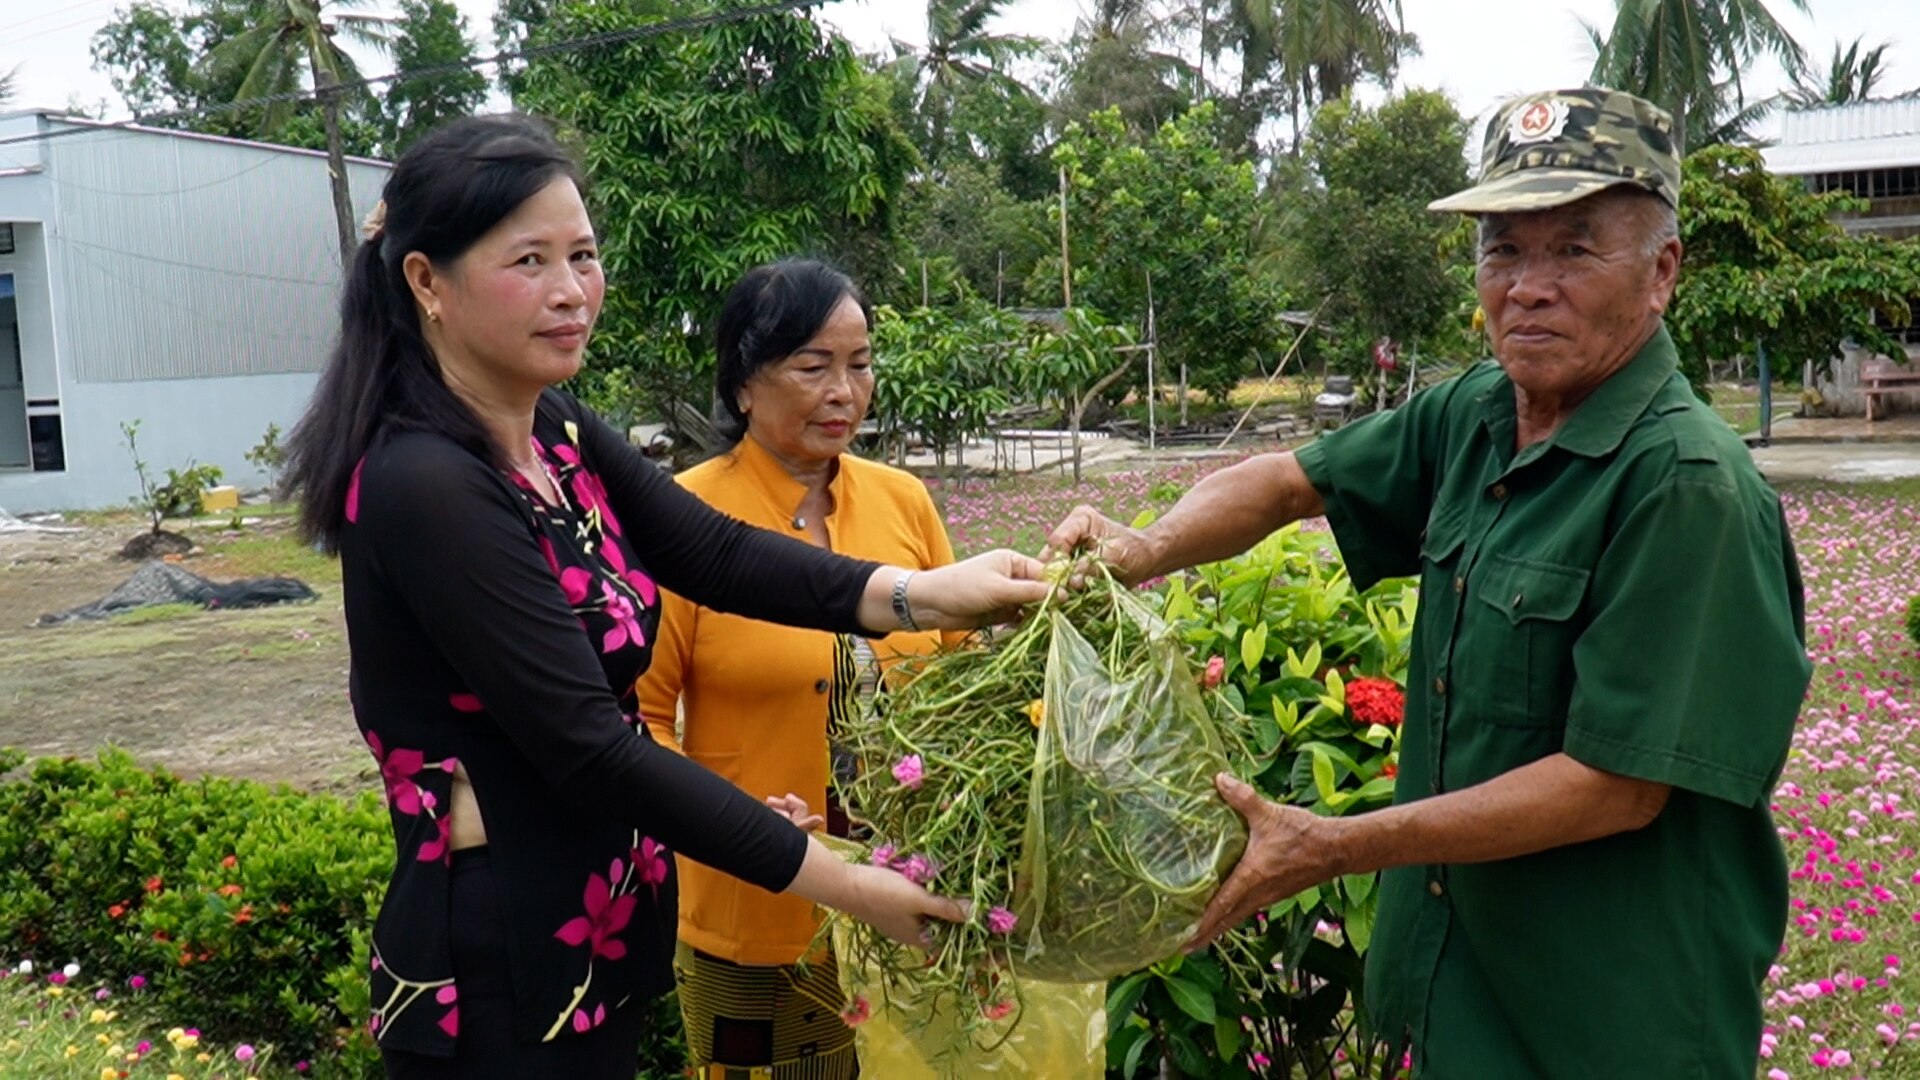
[{"x": 213, "y": 421}]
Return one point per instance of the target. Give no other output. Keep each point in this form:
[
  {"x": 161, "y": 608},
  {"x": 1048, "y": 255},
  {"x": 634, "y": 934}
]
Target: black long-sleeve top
[{"x": 491, "y": 630}]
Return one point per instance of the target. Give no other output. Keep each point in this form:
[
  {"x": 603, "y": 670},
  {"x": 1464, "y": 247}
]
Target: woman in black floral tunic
[{"x": 500, "y": 548}]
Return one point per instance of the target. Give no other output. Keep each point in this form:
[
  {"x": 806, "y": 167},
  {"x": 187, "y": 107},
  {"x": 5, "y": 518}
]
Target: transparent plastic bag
[
  {"x": 1056, "y": 1031},
  {"x": 1126, "y": 838}
]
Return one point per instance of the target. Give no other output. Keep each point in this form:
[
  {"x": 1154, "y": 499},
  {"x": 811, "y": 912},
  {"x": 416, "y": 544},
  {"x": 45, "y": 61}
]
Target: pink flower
[
  {"x": 650, "y": 858},
  {"x": 918, "y": 869},
  {"x": 626, "y": 622},
  {"x": 883, "y": 855},
  {"x": 857, "y": 1013},
  {"x": 465, "y": 703},
  {"x": 396, "y": 771},
  {"x": 606, "y": 915},
  {"x": 584, "y": 1022},
  {"x": 450, "y": 1023},
  {"x": 1216, "y": 672},
  {"x": 573, "y": 582},
  {"x": 439, "y": 846},
  {"x": 1002, "y": 921},
  {"x": 243, "y": 1052},
  {"x": 999, "y": 1010},
  {"x": 910, "y": 771}
]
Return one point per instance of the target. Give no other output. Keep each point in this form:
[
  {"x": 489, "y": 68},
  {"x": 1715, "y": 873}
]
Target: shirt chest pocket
[{"x": 1523, "y": 626}]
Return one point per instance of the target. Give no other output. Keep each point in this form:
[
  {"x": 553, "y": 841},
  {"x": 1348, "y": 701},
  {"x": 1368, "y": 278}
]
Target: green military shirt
[{"x": 1624, "y": 592}]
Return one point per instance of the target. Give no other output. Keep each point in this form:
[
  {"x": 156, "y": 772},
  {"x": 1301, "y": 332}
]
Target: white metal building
[
  {"x": 184, "y": 281},
  {"x": 1872, "y": 149}
]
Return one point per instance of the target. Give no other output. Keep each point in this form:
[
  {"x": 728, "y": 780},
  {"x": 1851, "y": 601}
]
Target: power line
[{"x": 591, "y": 41}]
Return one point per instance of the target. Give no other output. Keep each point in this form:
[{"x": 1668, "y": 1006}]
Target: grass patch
[
  {"x": 155, "y": 614},
  {"x": 265, "y": 554}
]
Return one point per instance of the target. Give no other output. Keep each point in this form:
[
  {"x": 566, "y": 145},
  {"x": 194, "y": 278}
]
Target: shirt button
[
  {"x": 1500, "y": 491},
  {"x": 1440, "y": 686},
  {"x": 1435, "y": 888},
  {"x": 1459, "y": 585},
  {"x": 822, "y": 686}
]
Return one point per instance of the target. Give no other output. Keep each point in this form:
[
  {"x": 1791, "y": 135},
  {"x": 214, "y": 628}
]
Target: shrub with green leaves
[
  {"x": 1319, "y": 666},
  {"x": 1913, "y": 619},
  {"x": 238, "y": 903}
]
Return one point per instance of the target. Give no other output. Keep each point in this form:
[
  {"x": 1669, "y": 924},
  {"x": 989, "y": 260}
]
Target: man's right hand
[{"x": 1087, "y": 533}]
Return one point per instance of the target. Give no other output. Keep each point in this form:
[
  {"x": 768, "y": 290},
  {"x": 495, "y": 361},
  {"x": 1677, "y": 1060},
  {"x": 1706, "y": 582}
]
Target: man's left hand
[{"x": 1288, "y": 850}]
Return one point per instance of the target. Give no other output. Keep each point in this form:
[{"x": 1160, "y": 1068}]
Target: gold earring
[{"x": 433, "y": 315}]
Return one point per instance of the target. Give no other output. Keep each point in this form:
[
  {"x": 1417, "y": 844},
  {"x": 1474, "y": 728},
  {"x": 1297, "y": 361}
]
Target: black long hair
[
  {"x": 771, "y": 312},
  {"x": 449, "y": 190}
]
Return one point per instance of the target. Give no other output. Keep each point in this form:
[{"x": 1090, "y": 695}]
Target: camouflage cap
[{"x": 1547, "y": 150}]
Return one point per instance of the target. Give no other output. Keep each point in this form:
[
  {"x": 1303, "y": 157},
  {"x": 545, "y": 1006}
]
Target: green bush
[
  {"x": 242, "y": 905},
  {"x": 1913, "y": 619},
  {"x": 246, "y": 908}
]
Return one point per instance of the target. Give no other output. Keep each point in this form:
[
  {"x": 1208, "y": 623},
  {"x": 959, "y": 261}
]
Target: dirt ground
[{"x": 258, "y": 694}]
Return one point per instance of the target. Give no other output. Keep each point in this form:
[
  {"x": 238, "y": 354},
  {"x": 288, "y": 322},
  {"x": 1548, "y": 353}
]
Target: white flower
[
  {"x": 25, "y": 968},
  {"x": 72, "y": 970}
]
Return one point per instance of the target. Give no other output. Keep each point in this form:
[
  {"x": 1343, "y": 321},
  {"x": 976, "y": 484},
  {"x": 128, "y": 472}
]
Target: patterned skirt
[{"x": 748, "y": 1022}]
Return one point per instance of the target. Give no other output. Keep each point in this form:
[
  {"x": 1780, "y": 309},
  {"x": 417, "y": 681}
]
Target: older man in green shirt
[{"x": 1582, "y": 878}]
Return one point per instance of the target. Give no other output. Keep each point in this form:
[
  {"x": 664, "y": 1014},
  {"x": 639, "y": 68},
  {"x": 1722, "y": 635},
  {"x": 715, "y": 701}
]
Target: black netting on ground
[{"x": 164, "y": 583}]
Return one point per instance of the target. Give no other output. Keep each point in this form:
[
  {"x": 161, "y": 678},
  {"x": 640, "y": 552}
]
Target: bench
[{"x": 1879, "y": 377}]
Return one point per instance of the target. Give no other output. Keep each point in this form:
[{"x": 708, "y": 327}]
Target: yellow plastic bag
[{"x": 1058, "y": 1033}]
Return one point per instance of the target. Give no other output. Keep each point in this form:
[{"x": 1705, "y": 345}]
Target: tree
[
  {"x": 993, "y": 239},
  {"x": 7, "y": 81},
  {"x": 1689, "y": 56},
  {"x": 150, "y": 55},
  {"x": 939, "y": 374},
  {"x": 286, "y": 40},
  {"x": 1115, "y": 61},
  {"x": 432, "y": 34},
  {"x": 1359, "y": 231},
  {"x": 1851, "y": 76},
  {"x": 961, "y": 59},
  {"x": 712, "y": 150},
  {"x": 1315, "y": 51},
  {"x": 1766, "y": 260},
  {"x": 1174, "y": 216},
  {"x": 154, "y": 57}
]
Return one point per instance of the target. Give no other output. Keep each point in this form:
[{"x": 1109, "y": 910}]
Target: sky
[{"x": 1478, "y": 51}]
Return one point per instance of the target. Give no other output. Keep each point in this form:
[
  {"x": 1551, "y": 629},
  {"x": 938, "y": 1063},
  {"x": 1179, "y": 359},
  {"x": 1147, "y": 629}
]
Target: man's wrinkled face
[{"x": 1572, "y": 293}]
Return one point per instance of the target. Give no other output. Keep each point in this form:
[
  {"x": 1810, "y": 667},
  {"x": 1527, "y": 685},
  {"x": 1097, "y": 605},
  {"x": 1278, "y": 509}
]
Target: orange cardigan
[{"x": 754, "y": 696}]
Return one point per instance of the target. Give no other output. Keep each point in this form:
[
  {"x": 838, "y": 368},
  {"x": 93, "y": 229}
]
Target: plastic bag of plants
[
  {"x": 1061, "y": 779},
  {"x": 1126, "y": 839}
]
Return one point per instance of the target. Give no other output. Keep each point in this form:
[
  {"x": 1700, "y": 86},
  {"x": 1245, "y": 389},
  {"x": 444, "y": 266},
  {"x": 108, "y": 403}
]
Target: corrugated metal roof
[{"x": 1847, "y": 138}]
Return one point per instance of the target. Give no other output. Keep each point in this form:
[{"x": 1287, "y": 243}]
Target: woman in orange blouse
[{"x": 756, "y": 702}]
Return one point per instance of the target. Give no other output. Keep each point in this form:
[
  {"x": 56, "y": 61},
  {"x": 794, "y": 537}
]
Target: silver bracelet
[{"x": 901, "y": 609}]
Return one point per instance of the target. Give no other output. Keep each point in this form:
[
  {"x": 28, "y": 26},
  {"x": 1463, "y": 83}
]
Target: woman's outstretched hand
[{"x": 982, "y": 591}]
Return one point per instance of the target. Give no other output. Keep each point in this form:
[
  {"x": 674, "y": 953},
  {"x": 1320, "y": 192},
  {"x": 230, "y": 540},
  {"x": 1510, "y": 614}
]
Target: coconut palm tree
[
  {"x": 1851, "y": 76},
  {"x": 1118, "y": 59},
  {"x": 1317, "y": 50},
  {"x": 7, "y": 80},
  {"x": 1688, "y": 56},
  {"x": 288, "y": 41},
  {"x": 961, "y": 53}
]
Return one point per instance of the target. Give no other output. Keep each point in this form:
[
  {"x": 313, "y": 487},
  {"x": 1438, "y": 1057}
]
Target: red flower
[
  {"x": 244, "y": 915},
  {"x": 1390, "y": 769},
  {"x": 606, "y": 915},
  {"x": 1216, "y": 672},
  {"x": 1376, "y": 701},
  {"x": 116, "y": 910},
  {"x": 154, "y": 884},
  {"x": 228, "y": 890}
]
